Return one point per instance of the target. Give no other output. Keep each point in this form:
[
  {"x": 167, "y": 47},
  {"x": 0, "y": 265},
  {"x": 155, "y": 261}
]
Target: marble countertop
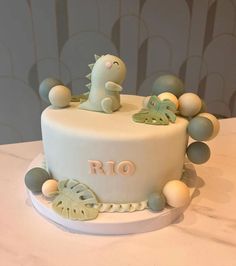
[{"x": 204, "y": 235}]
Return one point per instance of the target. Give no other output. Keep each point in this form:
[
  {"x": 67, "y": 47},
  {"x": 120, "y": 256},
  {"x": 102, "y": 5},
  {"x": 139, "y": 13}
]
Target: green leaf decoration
[
  {"x": 75, "y": 201},
  {"x": 157, "y": 112},
  {"x": 80, "y": 98}
]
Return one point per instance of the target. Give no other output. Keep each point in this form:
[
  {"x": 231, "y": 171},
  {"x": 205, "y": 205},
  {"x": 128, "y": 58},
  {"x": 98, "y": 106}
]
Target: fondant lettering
[
  {"x": 124, "y": 168},
  {"x": 96, "y": 167}
]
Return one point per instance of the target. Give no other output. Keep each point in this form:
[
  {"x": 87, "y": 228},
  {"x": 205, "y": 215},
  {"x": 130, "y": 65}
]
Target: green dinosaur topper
[
  {"x": 157, "y": 112},
  {"x": 108, "y": 73}
]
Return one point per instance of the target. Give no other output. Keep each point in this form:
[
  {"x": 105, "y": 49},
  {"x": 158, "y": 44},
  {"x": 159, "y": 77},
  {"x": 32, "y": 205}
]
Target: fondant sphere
[
  {"x": 169, "y": 96},
  {"x": 177, "y": 193},
  {"x": 200, "y": 128},
  {"x": 60, "y": 96},
  {"x": 214, "y": 121},
  {"x": 35, "y": 178},
  {"x": 156, "y": 202},
  {"x": 145, "y": 101},
  {"x": 45, "y": 86},
  {"x": 168, "y": 83},
  {"x": 49, "y": 187},
  {"x": 198, "y": 152},
  {"x": 189, "y": 104}
]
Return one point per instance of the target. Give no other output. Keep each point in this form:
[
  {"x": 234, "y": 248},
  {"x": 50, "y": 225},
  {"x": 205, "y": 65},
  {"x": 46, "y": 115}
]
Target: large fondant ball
[
  {"x": 214, "y": 121},
  {"x": 189, "y": 104},
  {"x": 198, "y": 152},
  {"x": 169, "y": 96},
  {"x": 156, "y": 202},
  {"x": 49, "y": 188},
  {"x": 200, "y": 128},
  {"x": 60, "y": 96},
  {"x": 45, "y": 86},
  {"x": 168, "y": 83},
  {"x": 35, "y": 178},
  {"x": 177, "y": 193}
]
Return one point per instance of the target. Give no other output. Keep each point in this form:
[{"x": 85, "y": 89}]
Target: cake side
[{"x": 74, "y": 139}]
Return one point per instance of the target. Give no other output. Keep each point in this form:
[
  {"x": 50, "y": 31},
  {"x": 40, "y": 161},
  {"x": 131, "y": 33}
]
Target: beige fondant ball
[
  {"x": 177, "y": 193},
  {"x": 215, "y": 122},
  {"x": 189, "y": 104},
  {"x": 49, "y": 187},
  {"x": 169, "y": 96},
  {"x": 145, "y": 101},
  {"x": 59, "y": 96}
]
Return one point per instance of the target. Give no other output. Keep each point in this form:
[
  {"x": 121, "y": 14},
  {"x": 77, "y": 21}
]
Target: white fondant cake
[{"x": 119, "y": 160}]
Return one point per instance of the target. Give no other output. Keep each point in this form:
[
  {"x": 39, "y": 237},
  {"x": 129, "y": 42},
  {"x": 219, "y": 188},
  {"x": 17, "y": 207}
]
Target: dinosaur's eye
[{"x": 115, "y": 62}]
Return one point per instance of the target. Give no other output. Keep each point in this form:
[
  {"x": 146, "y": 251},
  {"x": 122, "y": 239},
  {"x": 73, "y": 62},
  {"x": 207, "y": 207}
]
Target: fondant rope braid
[{"x": 122, "y": 207}]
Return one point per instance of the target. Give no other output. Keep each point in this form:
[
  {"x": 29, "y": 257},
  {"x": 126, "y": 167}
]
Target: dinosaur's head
[{"x": 108, "y": 68}]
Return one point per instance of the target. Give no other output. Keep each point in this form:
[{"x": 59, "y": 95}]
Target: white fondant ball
[
  {"x": 177, "y": 193},
  {"x": 215, "y": 122},
  {"x": 145, "y": 101},
  {"x": 169, "y": 96},
  {"x": 60, "y": 96},
  {"x": 49, "y": 187},
  {"x": 189, "y": 104}
]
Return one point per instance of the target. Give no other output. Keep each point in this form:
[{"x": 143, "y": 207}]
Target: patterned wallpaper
[{"x": 194, "y": 39}]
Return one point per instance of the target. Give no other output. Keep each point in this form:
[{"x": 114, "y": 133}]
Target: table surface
[{"x": 204, "y": 235}]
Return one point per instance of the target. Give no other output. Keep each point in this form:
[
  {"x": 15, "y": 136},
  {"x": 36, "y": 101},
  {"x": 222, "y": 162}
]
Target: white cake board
[{"x": 111, "y": 223}]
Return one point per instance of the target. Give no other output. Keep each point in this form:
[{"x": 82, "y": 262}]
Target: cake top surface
[{"x": 118, "y": 124}]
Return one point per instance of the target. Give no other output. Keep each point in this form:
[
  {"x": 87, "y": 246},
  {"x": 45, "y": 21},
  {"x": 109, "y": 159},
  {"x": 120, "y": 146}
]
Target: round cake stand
[{"x": 112, "y": 223}]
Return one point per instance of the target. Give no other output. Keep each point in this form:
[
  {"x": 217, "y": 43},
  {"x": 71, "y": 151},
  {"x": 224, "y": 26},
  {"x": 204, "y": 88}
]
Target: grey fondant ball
[
  {"x": 200, "y": 128},
  {"x": 156, "y": 202},
  {"x": 35, "y": 178},
  {"x": 168, "y": 83},
  {"x": 45, "y": 87},
  {"x": 198, "y": 152}
]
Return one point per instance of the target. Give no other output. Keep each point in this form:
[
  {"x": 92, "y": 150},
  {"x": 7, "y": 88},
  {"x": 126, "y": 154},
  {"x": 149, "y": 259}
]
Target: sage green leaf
[
  {"x": 80, "y": 98},
  {"x": 157, "y": 112},
  {"x": 75, "y": 201}
]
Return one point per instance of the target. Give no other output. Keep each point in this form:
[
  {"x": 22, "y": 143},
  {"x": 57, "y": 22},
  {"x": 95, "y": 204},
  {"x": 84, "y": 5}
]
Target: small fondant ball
[
  {"x": 145, "y": 101},
  {"x": 60, "y": 96},
  {"x": 35, "y": 178},
  {"x": 168, "y": 83},
  {"x": 49, "y": 187},
  {"x": 177, "y": 193},
  {"x": 156, "y": 202},
  {"x": 200, "y": 128},
  {"x": 214, "y": 121},
  {"x": 45, "y": 86},
  {"x": 169, "y": 96},
  {"x": 189, "y": 104},
  {"x": 198, "y": 152}
]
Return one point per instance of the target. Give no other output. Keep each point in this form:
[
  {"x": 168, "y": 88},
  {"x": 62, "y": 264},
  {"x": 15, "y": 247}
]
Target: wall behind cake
[{"x": 194, "y": 39}]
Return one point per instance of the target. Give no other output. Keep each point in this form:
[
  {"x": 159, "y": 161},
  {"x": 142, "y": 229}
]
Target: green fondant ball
[
  {"x": 168, "y": 83},
  {"x": 200, "y": 128},
  {"x": 35, "y": 178},
  {"x": 198, "y": 152},
  {"x": 45, "y": 87},
  {"x": 156, "y": 202}
]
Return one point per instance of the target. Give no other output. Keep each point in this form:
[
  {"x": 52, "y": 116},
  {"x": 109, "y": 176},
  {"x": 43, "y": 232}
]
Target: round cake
[{"x": 120, "y": 160}]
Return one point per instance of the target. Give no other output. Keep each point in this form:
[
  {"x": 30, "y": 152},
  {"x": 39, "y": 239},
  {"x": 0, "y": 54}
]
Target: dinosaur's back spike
[
  {"x": 88, "y": 85},
  {"x": 96, "y": 57},
  {"x": 91, "y": 66},
  {"x": 89, "y": 76}
]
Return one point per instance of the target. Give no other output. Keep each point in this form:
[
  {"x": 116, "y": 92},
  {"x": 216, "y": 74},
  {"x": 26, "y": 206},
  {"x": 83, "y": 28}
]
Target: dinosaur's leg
[{"x": 107, "y": 105}]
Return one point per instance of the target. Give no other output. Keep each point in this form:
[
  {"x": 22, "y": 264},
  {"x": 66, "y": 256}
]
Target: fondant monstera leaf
[
  {"x": 157, "y": 112},
  {"x": 75, "y": 201}
]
